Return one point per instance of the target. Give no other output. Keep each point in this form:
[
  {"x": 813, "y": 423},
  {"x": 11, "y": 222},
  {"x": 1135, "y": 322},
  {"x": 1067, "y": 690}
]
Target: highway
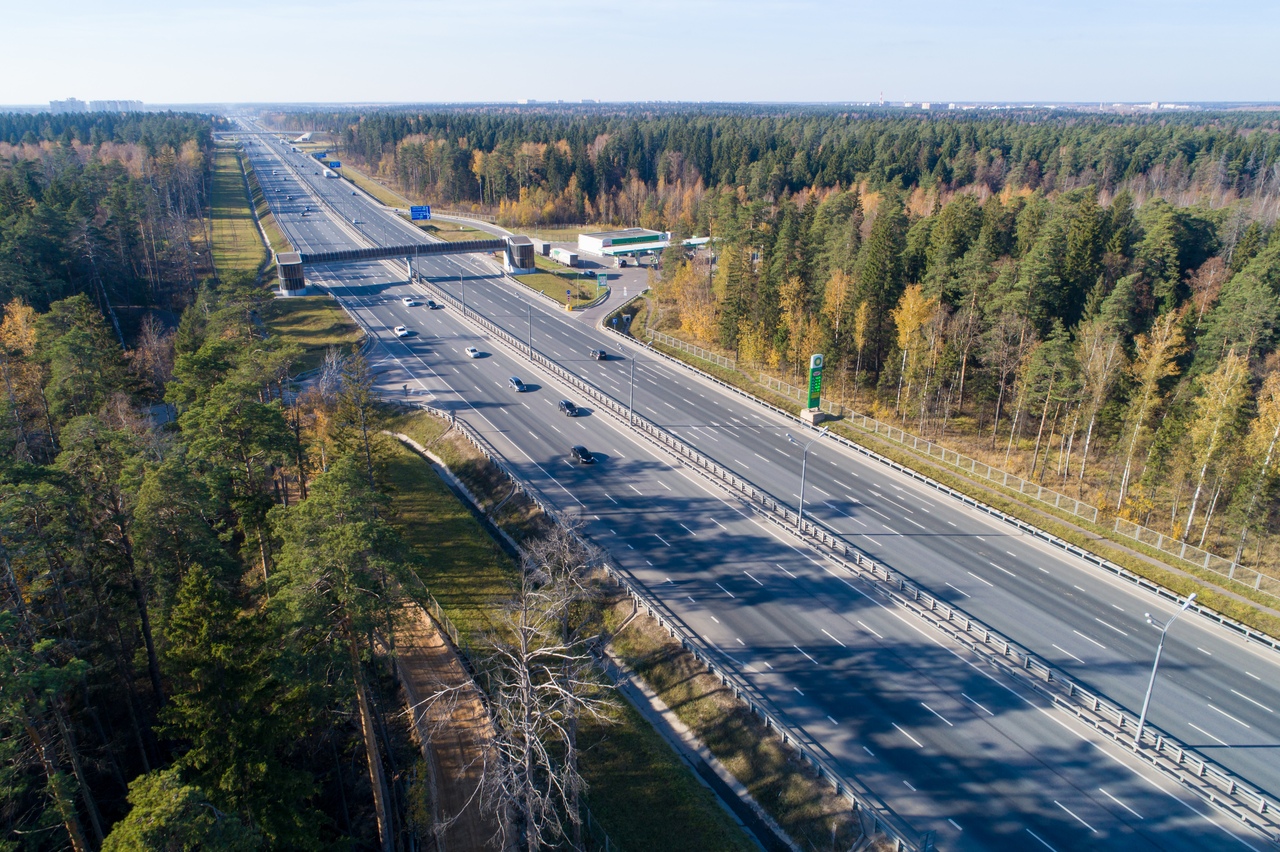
[{"x": 948, "y": 744}]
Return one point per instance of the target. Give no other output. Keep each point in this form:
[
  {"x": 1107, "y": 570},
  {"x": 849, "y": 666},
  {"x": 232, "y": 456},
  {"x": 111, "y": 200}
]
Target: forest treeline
[
  {"x": 201, "y": 576},
  {"x": 636, "y": 166},
  {"x": 1090, "y": 300},
  {"x": 190, "y": 604},
  {"x": 1123, "y": 353},
  {"x": 108, "y": 205}
]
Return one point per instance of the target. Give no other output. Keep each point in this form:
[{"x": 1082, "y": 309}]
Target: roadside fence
[
  {"x": 874, "y": 815},
  {"x": 689, "y": 349},
  {"x": 1212, "y": 782}
]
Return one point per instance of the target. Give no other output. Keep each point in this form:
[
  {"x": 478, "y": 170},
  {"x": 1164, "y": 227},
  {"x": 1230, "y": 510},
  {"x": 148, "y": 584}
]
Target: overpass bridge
[{"x": 290, "y": 265}]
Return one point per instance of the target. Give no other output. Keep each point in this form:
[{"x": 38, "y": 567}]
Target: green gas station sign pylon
[{"x": 815, "y": 381}]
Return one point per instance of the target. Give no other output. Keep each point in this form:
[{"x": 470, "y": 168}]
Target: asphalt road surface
[{"x": 947, "y": 743}]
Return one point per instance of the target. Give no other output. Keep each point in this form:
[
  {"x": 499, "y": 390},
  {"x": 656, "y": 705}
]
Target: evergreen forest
[
  {"x": 198, "y": 559},
  {"x": 1088, "y": 300}
]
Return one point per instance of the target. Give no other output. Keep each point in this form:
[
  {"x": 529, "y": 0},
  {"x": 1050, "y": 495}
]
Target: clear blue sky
[{"x": 728, "y": 50}]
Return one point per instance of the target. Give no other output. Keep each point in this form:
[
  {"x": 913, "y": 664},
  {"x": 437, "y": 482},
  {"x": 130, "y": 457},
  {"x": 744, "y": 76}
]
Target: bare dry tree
[{"x": 542, "y": 681}]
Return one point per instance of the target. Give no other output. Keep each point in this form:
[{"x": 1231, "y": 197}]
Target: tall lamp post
[
  {"x": 804, "y": 468},
  {"x": 1146, "y": 702},
  {"x": 463, "y": 285},
  {"x": 631, "y": 397}
]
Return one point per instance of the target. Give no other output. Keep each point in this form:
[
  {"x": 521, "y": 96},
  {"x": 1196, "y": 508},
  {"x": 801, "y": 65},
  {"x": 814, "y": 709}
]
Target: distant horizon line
[{"x": 938, "y": 105}]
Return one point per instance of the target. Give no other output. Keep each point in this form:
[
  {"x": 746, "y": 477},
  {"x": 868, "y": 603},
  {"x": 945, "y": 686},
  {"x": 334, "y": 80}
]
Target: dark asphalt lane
[{"x": 817, "y": 645}]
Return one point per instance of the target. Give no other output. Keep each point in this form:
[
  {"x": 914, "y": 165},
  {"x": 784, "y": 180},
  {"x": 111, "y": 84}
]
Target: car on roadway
[
  {"x": 581, "y": 455},
  {"x": 401, "y": 331},
  {"x": 472, "y": 352},
  {"x": 409, "y": 301},
  {"x": 431, "y": 305},
  {"x": 353, "y": 192},
  {"x": 515, "y": 384},
  {"x": 598, "y": 354},
  {"x": 569, "y": 409}
]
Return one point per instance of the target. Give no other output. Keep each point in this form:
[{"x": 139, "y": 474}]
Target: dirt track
[{"x": 453, "y": 730}]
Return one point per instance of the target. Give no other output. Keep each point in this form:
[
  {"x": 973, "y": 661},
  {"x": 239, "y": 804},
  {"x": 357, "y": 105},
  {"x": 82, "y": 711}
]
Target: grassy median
[{"x": 237, "y": 245}]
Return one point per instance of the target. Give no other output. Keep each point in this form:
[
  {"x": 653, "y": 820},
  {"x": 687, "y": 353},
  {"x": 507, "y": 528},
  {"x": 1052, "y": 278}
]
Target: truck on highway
[{"x": 330, "y": 173}]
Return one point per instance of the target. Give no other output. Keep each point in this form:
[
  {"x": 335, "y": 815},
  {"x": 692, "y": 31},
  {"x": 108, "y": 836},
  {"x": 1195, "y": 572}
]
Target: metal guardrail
[
  {"x": 1166, "y": 544},
  {"x": 1213, "y": 783},
  {"x": 961, "y": 462},
  {"x": 875, "y": 815}
]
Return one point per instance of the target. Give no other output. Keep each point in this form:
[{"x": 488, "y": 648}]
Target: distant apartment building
[
  {"x": 77, "y": 105},
  {"x": 69, "y": 105},
  {"x": 115, "y": 106}
]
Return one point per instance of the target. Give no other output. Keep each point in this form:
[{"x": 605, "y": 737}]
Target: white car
[
  {"x": 409, "y": 301},
  {"x": 401, "y": 331},
  {"x": 472, "y": 352}
]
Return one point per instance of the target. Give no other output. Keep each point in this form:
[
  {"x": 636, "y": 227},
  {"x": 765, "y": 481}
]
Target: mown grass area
[
  {"x": 387, "y": 196},
  {"x": 464, "y": 569},
  {"x": 554, "y": 234},
  {"x": 274, "y": 235},
  {"x": 806, "y": 807},
  {"x": 313, "y": 322},
  {"x": 554, "y": 279},
  {"x": 451, "y": 231},
  {"x": 237, "y": 245},
  {"x": 640, "y": 791}
]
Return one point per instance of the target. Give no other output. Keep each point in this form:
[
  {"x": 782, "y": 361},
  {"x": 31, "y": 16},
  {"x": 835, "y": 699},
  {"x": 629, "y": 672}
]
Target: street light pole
[
  {"x": 804, "y": 469},
  {"x": 463, "y": 285},
  {"x": 1146, "y": 702},
  {"x": 631, "y": 397},
  {"x": 529, "y": 307}
]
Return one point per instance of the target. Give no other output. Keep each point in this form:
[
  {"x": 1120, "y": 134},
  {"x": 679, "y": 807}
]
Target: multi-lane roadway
[{"x": 949, "y": 745}]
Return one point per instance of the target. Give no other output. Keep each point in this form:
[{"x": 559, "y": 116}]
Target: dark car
[
  {"x": 581, "y": 455},
  {"x": 598, "y": 354},
  {"x": 515, "y": 384},
  {"x": 568, "y": 408},
  {"x": 431, "y": 305}
]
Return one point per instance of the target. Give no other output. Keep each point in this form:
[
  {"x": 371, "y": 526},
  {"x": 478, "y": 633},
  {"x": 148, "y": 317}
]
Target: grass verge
[
  {"x": 634, "y": 777},
  {"x": 806, "y": 807},
  {"x": 1182, "y": 579},
  {"x": 389, "y": 197},
  {"x": 451, "y": 231},
  {"x": 237, "y": 245},
  {"x": 313, "y": 322},
  {"x": 274, "y": 235}
]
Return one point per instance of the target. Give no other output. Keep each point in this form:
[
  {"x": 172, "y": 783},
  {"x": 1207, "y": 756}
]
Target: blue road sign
[
  {"x": 420, "y": 212},
  {"x": 335, "y": 164}
]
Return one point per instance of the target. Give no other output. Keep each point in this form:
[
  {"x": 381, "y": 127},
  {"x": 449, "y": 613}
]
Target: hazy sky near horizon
[{"x": 1041, "y": 51}]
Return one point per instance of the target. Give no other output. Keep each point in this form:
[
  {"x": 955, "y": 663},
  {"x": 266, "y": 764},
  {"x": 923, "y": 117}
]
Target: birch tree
[
  {"x": 1153, "y": 363},
  {"x": 1218, "y": 408}
]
